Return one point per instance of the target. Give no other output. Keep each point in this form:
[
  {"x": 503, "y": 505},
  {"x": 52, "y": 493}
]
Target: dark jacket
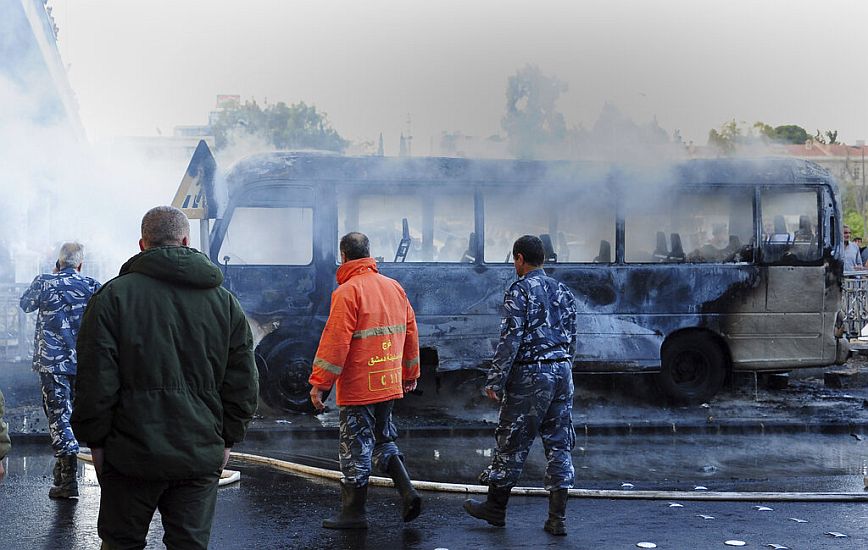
[
  {"x": 5, "y": 444},
  {"x": 166, "y": 375}
]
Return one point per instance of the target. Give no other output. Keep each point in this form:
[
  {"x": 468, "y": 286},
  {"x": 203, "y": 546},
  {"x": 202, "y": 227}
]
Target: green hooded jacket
[
  {"x": 5, "y": 444},
  {"x": 166, "y": 375}
]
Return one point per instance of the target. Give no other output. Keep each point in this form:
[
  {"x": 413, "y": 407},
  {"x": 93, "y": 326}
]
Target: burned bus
[{"x": 689, "y": 271}]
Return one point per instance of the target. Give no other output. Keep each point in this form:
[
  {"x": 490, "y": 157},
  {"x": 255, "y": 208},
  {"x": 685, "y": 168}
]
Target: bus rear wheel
[
  {"x": 283, "y": 373},
  {"x": 693, "y": 370}
]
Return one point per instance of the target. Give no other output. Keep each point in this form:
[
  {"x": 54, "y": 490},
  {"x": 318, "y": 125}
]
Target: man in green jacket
[
  {"x": 5, "y": 444},
  {"x": 166, "y": 386}
]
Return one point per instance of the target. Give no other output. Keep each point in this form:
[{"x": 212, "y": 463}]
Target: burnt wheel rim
[{"x": 690, "y": 370}]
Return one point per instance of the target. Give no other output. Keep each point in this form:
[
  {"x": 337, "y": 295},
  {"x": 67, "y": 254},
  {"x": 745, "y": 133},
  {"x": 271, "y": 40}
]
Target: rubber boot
[
  {"x": 352, "y": 514},
  {"x": 556, "y": 525},
  {"x": 55, "y": 473},
  {"x": 493, "y": 510},
  {"x": 68, "y": 486},
  {"x": 411, "y": 503}
]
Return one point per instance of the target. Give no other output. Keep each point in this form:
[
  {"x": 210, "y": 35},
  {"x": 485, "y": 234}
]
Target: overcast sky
[{"x": 139, "y": 65}]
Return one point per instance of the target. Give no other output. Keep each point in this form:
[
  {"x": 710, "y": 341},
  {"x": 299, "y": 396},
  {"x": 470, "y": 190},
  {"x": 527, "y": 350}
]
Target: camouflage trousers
[
  {"x": 366, "y": 433},
  {"x": 57, "y": 394},
  {"x": 537, "y": 400}
]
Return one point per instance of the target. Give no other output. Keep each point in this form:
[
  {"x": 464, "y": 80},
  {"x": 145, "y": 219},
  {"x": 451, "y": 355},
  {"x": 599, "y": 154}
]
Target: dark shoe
[
  {"x": 411, "y": 503},
  {"x": 55, "y": 473},
  {"x": 352, "y": 514},
  {"x": 68, "y": 486},
  {"x": 493, "y": 510},
  {"x": 556, "y": 525}
]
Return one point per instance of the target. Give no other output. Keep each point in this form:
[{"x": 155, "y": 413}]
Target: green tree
[
  {"x": 532, "y": 120},
  {"x": 727, "y": 137},
  {"x": 296, "y": 126},
  {"x": 790, "y": 133}
]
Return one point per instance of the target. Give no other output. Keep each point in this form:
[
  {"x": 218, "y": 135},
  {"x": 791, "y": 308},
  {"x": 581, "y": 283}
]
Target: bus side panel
[{"x": 457, "y": 308}]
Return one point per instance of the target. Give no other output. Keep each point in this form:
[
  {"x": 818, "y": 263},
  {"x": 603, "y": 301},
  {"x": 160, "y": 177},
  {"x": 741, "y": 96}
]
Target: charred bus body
[{"x": 689, "y": 271}]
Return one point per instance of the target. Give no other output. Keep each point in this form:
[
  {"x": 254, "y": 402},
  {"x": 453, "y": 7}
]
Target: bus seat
[
  {"x": 404, "y": 245},
  {"x": 677, "y": 252},
  {"x": 469, "y": 255},
  {"x": 548, "y": 248},
  {"x": 660, "y": 251},
  {"x": 605, "y": 256},
  {"x": 781, "y": 235}
]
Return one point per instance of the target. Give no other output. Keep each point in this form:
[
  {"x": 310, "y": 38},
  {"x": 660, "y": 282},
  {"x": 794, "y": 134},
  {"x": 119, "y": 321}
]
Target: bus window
[
  {"x": 579, "y": 224},
  {"x": 380, "y": 217},
  {"x": 453, "y": 228},
  {"x": 790, "y": 228},
  {"x": 585, "y": 227},
  {"x": 690, "y": 225},
  {"x": 269, "y": 236}
]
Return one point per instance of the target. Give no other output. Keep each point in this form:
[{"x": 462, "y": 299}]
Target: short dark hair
[
  {"x": 531, "y": 249},
  {"x": 355, "y": 245}
]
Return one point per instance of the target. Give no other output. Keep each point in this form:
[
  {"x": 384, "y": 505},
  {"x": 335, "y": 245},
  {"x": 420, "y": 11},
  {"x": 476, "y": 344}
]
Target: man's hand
[
  {"x": 492, "y": 394},
  {"x": 226, "y": 452},
  {"x": 316, "y": 398},
  {"x": 409, "y": 385},
  {"x": 98, "y": 456}
]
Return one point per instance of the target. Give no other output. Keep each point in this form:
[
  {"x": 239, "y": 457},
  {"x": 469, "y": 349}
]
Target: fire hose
[
  {"x": 466, "y": 488},
  {"x": 443, "y": 487}
]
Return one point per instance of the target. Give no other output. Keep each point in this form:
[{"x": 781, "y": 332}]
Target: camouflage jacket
[
  {"x": 538, "y": 323},
  {"x": 60, "y": 298}
]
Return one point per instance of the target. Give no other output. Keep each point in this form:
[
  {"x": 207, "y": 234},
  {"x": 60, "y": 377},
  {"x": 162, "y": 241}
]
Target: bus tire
[
  {"x": 693, "y": 369},
  {"x": 283, "y": 373}
]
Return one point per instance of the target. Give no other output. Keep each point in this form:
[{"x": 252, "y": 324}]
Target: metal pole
[{"x": 205, "y": 237}]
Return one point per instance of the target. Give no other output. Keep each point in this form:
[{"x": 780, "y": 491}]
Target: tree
[
  {"x": 792, "y": 134},
  {"x": 532, "y": 121},
  {"x": 727, "y": 138},
  {"x": 297, "y": 126}
]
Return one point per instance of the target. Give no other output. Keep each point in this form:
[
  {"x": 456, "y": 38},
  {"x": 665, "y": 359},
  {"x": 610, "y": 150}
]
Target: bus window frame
[
  {"x": 819, "y": 191},
  {"x": 243, "y": 200},
  {"x": 425, "y": 191},
  {"x": 605, "y": 187}
]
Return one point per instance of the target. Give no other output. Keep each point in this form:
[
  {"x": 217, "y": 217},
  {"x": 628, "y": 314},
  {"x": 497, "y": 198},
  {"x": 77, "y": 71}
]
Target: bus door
[
  {"x": 424, "y": 236},
  {"x": 791, "y": 254}
]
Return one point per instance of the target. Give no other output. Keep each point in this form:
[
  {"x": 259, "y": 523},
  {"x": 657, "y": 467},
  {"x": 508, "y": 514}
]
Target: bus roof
[{"x": 311, "y": 167}]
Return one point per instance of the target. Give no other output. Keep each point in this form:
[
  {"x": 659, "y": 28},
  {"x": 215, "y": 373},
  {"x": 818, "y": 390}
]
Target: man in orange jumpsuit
[{"x": 370, "y": 350}]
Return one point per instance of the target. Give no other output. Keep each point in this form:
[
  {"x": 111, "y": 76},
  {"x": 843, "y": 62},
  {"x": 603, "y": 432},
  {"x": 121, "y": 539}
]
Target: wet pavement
[
  {"x": 267, "y": 509},
  {"x": 749, "y": 438}
]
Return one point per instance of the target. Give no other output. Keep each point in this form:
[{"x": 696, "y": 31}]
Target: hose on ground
[{"x": 443, "y": 487}]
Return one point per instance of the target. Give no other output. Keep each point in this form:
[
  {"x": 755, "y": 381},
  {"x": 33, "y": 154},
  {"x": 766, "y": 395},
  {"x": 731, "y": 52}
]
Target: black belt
[{"x": 543, "y": 361}]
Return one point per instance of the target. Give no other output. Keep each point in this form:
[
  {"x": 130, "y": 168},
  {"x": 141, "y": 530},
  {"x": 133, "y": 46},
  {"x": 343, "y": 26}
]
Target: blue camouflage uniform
[
  {"x": 532, "y": 370},
  {"x": 61, "y": 299}
]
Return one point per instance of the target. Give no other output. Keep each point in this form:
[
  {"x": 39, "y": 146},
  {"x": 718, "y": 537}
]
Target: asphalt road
[{"x": 274, "y": 510}]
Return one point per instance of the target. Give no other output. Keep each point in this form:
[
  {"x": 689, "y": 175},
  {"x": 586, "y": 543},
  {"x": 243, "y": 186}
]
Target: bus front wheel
[
  {"x": 693, "y": 369},
  {"x": 283, "y": 373}
]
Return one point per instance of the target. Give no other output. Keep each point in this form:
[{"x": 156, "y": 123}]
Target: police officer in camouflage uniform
[
  {"x": 60, "y": 297},
  {"x": 531, "y": 377}
]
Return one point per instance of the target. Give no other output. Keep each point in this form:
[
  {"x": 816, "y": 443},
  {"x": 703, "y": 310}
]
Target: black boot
[
  {"x": 411, "y": 503},
  {"x": 493, "y": 510},
  {"x": 556, "y": 525},
  {"x": 55, "y": 473},
  {"x": 352, "y": 514},
  {"x": 68, "y": 486}
]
